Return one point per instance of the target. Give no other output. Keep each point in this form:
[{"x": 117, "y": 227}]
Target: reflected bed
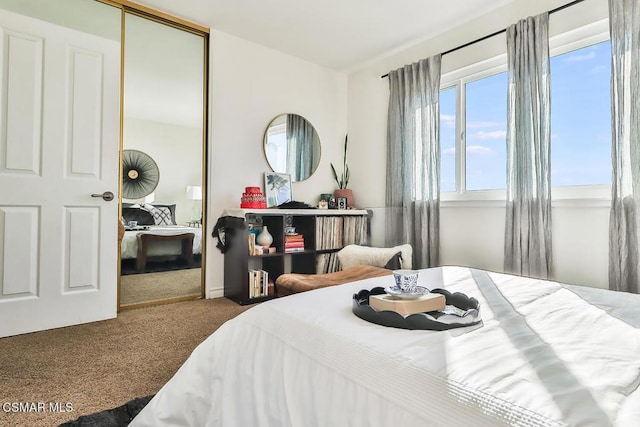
[{"x": 546, "y": 354}]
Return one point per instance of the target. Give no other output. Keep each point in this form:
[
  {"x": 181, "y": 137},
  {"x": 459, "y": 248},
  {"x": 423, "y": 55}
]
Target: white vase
[{"x": 264, "y": 238}]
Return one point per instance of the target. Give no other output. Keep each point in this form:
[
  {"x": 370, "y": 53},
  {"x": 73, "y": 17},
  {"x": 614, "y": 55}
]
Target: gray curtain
[
  {"x": 624, "y": 22},
  {"x": 527, "y": 248},
  {"x": 412, "y": 206},
  {"x": 299, "y": 147}
]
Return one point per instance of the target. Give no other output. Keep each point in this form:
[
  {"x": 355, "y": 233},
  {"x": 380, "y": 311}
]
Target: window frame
[{"x": 565, "y": 42}]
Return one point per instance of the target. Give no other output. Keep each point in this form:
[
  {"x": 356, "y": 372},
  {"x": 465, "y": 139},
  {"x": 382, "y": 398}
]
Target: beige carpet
[
  {"x": 102, "y": 365},
  {"x": 137, "y": 288}
]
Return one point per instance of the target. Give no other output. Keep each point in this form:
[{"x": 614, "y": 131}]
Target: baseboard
[{"x": 215, "y": 293}]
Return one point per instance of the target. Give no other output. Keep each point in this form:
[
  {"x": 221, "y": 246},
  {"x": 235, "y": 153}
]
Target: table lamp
[{"x": 194, "y": 192}]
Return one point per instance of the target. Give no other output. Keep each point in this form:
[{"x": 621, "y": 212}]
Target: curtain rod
[{"x": 488, "y": 36}]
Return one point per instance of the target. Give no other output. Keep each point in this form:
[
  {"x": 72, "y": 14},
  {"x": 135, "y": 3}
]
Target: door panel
[
  {"x": 82, "y": 248},
  {"x": 84, "y": 101},
  {"x": 19, "y": 261},
  {"x": 60, "y": 143},
  {"x": 22, "y": 58}
]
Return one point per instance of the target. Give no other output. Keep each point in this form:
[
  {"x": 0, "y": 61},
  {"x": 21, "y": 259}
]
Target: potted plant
[{"x": 343, "y": 181}]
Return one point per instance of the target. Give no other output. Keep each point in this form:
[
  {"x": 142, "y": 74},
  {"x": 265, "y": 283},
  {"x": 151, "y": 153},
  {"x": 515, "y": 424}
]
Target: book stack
[
  {"x": 293, "y": 243},
  {"x": 426, "y": 303},
  {"x": 259, "y": 284}
]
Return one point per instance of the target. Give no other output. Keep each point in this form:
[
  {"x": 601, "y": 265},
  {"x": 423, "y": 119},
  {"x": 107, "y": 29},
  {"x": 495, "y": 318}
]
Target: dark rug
[{"x": 116, "y": 417}]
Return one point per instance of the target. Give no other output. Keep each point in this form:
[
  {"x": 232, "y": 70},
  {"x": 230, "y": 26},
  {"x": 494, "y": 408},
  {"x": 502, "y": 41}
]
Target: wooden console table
[{"x": 145, "y": 238}]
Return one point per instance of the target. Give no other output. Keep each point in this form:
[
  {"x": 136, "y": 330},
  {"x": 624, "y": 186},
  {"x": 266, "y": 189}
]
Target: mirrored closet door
[{"x": 163, "y": 171}]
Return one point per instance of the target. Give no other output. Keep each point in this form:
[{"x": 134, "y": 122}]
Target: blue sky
[{"x": 580, "y": 124}]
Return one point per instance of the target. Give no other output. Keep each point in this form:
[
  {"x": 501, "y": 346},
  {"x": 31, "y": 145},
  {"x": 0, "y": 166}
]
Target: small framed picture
[
  {"x": 277, "y": 188},
  {"x": 342, "y": 203}
]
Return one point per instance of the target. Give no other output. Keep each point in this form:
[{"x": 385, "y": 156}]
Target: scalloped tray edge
[{"x": 415, "y": 321}]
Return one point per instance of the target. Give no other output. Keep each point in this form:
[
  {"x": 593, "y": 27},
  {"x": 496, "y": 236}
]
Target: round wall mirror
[{"x": 292, "y": 145}]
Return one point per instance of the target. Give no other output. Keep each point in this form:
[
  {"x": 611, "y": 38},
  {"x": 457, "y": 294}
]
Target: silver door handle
[{"x": 107, "y": 196}]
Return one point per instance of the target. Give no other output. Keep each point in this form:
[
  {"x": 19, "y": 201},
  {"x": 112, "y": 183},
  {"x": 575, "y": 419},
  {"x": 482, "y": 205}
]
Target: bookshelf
[{"x": 320, "y": 234}]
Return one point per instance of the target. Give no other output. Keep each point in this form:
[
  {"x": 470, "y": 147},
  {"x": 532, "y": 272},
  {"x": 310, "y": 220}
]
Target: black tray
[{"x": 363, "y": 310}]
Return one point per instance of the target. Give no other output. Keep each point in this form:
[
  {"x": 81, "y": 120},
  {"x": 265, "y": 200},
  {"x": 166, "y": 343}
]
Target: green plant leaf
[
  {"x": 347, "y": 174},
  {"x": 344, "y": 177},
  {"x": 346, "y": 141},
  {"x": 335, "y": 174}
]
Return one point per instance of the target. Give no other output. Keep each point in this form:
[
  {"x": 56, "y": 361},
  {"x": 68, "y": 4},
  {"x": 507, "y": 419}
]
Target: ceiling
[{"x": 343, "y": 35}]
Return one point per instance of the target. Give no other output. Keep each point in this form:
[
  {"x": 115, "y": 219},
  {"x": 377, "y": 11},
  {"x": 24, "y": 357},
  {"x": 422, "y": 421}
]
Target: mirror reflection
[
  {"x": 292, "y": 145},
  {"x": 162, "y": 247}
]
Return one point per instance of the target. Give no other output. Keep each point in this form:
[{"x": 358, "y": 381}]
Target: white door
[{"x": 59, "y": 144}]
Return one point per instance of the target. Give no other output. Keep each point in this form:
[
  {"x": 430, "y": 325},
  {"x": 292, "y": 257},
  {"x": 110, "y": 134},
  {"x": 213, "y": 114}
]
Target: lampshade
[{"x": 194, "y": 192}]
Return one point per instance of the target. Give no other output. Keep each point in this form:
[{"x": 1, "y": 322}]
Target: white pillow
[{"x": 352, "y": 255}]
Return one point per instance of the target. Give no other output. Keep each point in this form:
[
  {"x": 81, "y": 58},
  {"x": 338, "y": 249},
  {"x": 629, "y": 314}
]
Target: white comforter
[
  {"x": 129, "y": 245},
  {"x": 545, "y": 355}
]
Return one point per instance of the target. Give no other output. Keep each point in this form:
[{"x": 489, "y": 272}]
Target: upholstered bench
[{"x": 292, "y": 283}]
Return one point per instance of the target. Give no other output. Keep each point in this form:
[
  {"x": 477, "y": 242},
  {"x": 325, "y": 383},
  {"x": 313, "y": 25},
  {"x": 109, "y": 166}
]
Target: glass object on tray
[{"x": 396, "y": 292}]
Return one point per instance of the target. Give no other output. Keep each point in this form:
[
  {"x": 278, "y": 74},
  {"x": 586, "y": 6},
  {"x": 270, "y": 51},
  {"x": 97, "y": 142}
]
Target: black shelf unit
[{"x": 238, "y": 262}]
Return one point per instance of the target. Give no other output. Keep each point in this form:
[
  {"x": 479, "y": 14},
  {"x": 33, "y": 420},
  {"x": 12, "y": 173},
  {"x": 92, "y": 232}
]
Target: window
[
  {"x": 483, "y": 99},
  {"x": 486, "y": 133},
  {"x": 276, "y": 147},
  {"x": 447, "y": 144},
  {"x": 581, "y": 116},
  {"x": 473, "y": 115},
  {"x": 448, "y": 139}
]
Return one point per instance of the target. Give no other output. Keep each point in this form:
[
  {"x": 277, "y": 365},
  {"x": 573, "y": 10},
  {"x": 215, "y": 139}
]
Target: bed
[
  {"x": 546, "y": 354},
  {"x": 158, "y": 220}
]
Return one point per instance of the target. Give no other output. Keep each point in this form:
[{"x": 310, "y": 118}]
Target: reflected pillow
[
  {"x": 395, "y": 262},
  {"x": 172, "y": 210},
  {"x": 171, "y": 207},
  {"x": 161, "y": 215},
  {"x": 142, "y": 216}
]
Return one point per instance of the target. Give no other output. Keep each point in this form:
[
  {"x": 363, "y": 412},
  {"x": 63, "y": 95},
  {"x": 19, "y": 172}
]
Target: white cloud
[
  {"x": 479, "y": 150},
  {"x": 483, "y": 136},
  {"x": 449, "y": 120},
  {"x": 449, "y": 151},
  {"x": 479, "y": 125},
  {"x": 599, "y": 69},
  {"x": 580, "y": 57}
]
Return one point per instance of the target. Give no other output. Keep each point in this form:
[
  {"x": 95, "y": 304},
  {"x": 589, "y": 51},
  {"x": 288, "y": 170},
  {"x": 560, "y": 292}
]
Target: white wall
[
  {"x": 249, "y": 86},
  {"x": 177, "y": 150},
  {"x": 472, "y": 234}
]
